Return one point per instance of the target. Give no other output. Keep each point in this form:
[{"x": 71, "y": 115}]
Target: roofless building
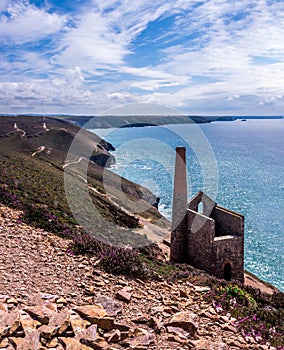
[{"x": 204, "y": 234}]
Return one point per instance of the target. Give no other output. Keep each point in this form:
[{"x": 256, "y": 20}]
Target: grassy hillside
[{"x": 33, "y": 155}]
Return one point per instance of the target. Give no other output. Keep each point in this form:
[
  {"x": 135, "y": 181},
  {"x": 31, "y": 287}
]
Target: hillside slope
[
  {"x": 58, "y": 300},
  {"x": 33, "y": 153}
]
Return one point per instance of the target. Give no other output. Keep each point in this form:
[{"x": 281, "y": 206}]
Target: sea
[{"x": 239, "y": 164}]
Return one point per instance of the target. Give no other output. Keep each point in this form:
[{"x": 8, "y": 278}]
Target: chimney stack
[{"x": 179, "y": 208}]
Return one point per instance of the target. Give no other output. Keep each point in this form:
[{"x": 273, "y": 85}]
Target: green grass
[{"x": 39, "y": 181}]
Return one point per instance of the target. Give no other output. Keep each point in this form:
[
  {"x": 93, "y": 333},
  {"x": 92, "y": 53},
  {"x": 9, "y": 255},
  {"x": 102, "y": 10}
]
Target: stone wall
[
  {"x": 227, "y": 222},
  {"x": 200, "y": 240},
  {"x": 210, "y": 250},
  {"x": 179, "y": 239},
  {"x": 200, "y": 197},
  {"x": 228, "y": 249}
]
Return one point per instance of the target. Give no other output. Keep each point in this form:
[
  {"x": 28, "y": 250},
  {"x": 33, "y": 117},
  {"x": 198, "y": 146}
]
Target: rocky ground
[{"x": 51, "y": 300}]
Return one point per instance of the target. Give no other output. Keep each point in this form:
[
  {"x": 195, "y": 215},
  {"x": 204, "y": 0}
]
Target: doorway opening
[{"x": 228, "y": 271}]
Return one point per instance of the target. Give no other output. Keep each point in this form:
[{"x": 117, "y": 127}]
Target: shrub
[
  {"x": 38, "y": 215},
  {"x": 9, "y": 198},
  {"x": 83, "y": 243},
  {"x": 115, "y": 260},
  {"x": 255, "y": 315},
  {"x": 124, "y": 261}
]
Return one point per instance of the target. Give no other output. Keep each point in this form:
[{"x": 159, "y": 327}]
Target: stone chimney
[{"x": 179, "y": 209}]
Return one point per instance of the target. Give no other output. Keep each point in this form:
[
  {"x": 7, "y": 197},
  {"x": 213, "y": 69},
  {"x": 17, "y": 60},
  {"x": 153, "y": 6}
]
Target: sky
[{"x": 210, "y": 57}]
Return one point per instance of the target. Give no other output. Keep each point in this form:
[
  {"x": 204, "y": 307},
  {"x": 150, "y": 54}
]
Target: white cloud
[
  {"x": 158, "y": 78},
  {"x": 235, "y": 60},
  {"x": 100, "y": 39},
  {"x": 4, "y": 4},
  {"x": 92, "y": 44},
  {"x": 49, "y": 98},
  {"x": 225, "y": 64},
  {"x": 27, "y": 23},
  {"x": 152, "y": 85},
  {"x": 23, "y": 65}
]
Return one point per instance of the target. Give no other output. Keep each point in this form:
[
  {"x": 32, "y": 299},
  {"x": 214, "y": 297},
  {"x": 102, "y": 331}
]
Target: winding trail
[{"x": 73, "y": 162}]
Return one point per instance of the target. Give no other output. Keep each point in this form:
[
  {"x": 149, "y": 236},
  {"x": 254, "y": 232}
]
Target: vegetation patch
[{"x": 257, "y": 315}]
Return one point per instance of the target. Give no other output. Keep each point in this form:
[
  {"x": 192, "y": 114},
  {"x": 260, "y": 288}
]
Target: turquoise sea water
[{"x": 239, "y": 163}]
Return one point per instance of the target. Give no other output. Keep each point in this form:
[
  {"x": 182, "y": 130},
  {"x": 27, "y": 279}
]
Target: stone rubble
[{"x": 50, "y": 300}]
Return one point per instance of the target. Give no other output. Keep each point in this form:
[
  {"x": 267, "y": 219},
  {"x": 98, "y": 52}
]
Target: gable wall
[
  {"x": 227, "y": 222},
  {"x": 200, "y": 240}
]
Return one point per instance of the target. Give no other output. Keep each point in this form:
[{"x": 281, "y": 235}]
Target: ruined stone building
[{"x": 204, "y": 234}]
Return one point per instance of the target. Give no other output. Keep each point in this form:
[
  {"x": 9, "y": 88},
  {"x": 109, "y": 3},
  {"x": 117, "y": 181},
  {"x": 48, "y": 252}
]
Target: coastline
[
  {"x": 256, "y": 282},
  {"x": 234, "y": 189}
]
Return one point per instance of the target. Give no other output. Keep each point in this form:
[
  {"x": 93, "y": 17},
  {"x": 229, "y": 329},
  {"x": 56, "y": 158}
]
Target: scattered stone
[
  {"x": 112, "y": 307},
  {"x": 28, "y": 324},
  {"x": 229, "y": 328},
  {"x": 3, "y": 308},
  {"x": 31, "y": 341},
  {"x": 43, "y": 298},
  {"x": 61, "y": 301},
  {"x": 12, "y": 301},
  {"x": 40, "y": 313},
  {"x": 186, "y": 320},
  {"x": 53, "y": 343},
  {"x": 91, "y": 312},
  {"x": 157, "y": 309},
  {"x": 77, "y": 323},
  {"x": 113, "y": 336},
  {"x": 124, "y": 295},
  {"x": 58, "y": 324},
  {"x": 141, "y": 338},
  {"x": 99, "y": 283},
  {"x": 70, "y": 343},
  {"x": 183, "y": 293},
  {"x": 173, "y": 338},
  {"x": 4, "y": 343},
  {"x": 178, "y": 331},
  {"x": 3, "y": 298},
  {"x": 9, "y": 323},
  {"x": 89, "y": 309},
  {"x": 122, "y": 327},
  {"x": 141, "y": 320},
  {"x": 105, "y": 323},
  {"x": 88, "y": 337},
  {"x": 155, "y": 324}
]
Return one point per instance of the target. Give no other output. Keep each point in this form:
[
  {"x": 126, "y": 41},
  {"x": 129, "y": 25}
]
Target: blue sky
[{"x": 211, "y": 57}]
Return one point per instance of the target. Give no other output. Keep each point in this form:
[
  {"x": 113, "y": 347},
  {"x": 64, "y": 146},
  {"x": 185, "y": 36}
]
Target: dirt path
[{"x": 254, "y": 282}]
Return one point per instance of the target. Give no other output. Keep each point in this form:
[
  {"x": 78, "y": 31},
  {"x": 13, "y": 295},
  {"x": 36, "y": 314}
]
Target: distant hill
[{"x": 110, "y": 121}]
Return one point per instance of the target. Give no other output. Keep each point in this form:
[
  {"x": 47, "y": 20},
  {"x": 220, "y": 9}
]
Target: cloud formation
[{"x": 205, "y": 57}]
